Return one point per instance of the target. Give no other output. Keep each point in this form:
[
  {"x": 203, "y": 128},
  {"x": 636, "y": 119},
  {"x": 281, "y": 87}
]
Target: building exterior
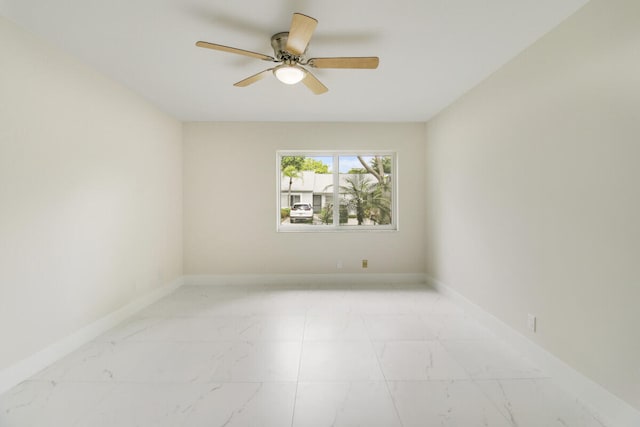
[{"x": 313, "y": 188}]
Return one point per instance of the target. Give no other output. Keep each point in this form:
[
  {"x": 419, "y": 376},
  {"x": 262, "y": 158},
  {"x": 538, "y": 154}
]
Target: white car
[{"x": 301, "y": 212}]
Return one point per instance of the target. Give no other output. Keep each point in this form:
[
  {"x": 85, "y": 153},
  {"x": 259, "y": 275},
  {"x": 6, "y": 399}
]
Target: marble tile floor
[{"x": 384, "y": 355}]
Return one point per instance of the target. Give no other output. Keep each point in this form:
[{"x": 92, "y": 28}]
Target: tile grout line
[
  {"x": 295, "y": 395},
  {"x": 386, "y": 382},
  {"x": 474, "y": 380}
]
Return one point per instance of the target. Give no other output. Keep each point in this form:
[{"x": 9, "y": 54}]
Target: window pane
[
  {"x": 306, "y": 188},
  {"x": 366, "y": 190},
  {"x": 336, "y": 190}
]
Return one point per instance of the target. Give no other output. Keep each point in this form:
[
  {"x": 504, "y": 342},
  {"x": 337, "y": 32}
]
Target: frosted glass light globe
[{"x": 289, "y": 74}]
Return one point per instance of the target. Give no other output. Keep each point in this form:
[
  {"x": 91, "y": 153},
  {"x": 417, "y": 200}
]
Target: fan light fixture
[
  {"x": 289, "y": 74},
  {"x": 289, "y": 49}
]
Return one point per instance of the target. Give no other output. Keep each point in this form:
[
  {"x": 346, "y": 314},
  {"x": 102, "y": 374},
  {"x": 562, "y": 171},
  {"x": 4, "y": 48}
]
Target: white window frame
[{"x": 336, "y": 227}]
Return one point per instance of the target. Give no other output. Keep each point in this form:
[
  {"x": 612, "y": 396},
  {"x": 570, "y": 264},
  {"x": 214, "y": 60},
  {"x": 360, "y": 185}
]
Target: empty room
[{"x": 290, "y": 213}]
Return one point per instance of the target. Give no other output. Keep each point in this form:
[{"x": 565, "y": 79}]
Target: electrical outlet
[
  {"x": 531, "y": 322},
  {"x": 339, "y": 265},
  {"x": 365, "y": 263}
]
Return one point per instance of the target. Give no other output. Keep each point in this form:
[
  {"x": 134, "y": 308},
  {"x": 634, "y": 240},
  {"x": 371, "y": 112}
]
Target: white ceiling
[{"x": 431, "y": 51}]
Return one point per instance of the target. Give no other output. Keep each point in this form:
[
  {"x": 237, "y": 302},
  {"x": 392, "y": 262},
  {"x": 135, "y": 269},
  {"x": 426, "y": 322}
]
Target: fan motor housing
[{"x": 279, "y": 45}]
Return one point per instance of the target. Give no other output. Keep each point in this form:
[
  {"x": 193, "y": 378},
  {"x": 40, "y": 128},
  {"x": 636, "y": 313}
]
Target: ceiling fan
[{"x": 289, "y": 50}]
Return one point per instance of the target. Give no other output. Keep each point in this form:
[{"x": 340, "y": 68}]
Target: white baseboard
[
  {"x": 609, "y": 408},
  {"x": 297, "y": 279},
  {"x": 28, "y": 367}
]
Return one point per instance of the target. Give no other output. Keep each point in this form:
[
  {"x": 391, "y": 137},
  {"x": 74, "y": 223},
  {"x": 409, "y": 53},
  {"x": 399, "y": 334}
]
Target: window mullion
[{"x": 336, "y": 191}]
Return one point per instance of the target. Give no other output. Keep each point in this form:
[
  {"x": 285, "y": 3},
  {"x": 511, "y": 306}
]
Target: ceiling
[{"x": 431, "y": 51}]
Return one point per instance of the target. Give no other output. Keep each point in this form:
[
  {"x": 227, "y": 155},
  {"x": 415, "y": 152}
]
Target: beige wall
[
  {"x": 230, "y": 196},
  {"x": 90, "y": 195},
  {"x": 533, "y": 194}
]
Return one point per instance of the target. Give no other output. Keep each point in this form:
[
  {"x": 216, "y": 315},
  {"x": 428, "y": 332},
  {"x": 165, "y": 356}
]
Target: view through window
[{"x": 336, "y": 191}]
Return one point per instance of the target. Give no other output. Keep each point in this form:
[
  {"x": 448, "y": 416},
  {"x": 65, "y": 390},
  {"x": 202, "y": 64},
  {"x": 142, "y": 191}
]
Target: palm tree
[
  {"x": 380, "y": 166},
  {"x": 369, "y": 199},
  {"x": 357, "y": 193},
  {"x": 291, "y": 172},
  {"x": 380, "y": 203}
]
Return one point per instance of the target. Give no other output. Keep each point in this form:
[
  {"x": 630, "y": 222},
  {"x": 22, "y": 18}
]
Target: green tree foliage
[
  {"x": 380, "y": 167},
  {"x": 379, "y": 205},
  {"x": 290, "y": 172},
  {"x": 302, "y": 163},
  {"x": 384, "y": 161},
  {"x": 310, "y": 164},
  {"x": 357, "y": 170},
  {"x": 326, "y": 214},
  {"x": 370, "y": 199},
  {"x": 291, "y": 167},
  {"x": 367, "y": 198},
  {"x": 295, "y": 161},
  {"x": 356, "y": 190}
]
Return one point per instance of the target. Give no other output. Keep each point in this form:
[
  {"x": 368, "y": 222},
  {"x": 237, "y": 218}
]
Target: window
[{"x": 336, "y": 191}]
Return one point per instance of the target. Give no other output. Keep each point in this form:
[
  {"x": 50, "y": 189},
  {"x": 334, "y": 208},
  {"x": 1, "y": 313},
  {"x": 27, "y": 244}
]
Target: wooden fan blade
[
  {"x": 234, "y": 50},
  {"x": 369, "y": 62},
  {"x": 250, "y": 80},
  {"x": 314, "y": 84},
  {"x": 302, "y": 28}
]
